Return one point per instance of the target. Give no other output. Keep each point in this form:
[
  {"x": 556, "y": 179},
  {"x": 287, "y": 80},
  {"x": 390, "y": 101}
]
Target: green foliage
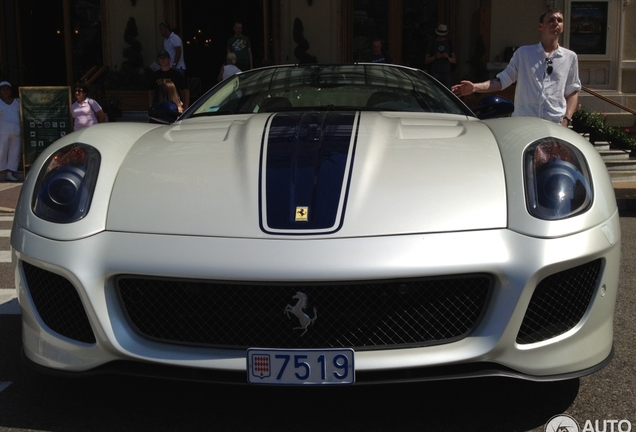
[
  {"x": 132, "y": 74},
  {"x": 585, "y": 121},
  {"x": 131, "y": 32},
  {"x": 132, "y": 52}
]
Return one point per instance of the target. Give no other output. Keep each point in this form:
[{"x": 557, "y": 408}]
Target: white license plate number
[{"x": 300, "y": 367}]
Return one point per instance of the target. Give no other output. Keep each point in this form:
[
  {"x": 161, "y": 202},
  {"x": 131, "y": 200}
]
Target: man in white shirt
[
  {"x": 173, "y": 44},
  {"x": 547, "y": 76}
]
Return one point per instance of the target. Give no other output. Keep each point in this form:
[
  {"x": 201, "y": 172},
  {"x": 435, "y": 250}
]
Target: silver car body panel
[
  {"x": 518, "y": 262},
  {"x": 429, "y": 195}
]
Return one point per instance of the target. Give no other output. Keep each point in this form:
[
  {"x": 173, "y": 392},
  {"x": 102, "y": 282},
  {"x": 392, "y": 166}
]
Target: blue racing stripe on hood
[{"x": 305, "y": 169}]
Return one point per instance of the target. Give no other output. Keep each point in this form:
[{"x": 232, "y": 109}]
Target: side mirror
[{"x": 493, "y": 107}]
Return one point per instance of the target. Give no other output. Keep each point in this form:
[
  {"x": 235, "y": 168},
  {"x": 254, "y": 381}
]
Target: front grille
[
  {"x": 58, "y": 304},
  {"x": 559, "y": 302},
  {"x": 360, "y": 315}
]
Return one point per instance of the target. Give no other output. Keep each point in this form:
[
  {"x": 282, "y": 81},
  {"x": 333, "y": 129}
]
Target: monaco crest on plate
[{"x": 261, "y": 366}]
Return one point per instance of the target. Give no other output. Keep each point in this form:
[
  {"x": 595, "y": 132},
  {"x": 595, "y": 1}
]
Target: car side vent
[
  {"x": 58, "y": 304},
  {"x": 559, "y": 303}
]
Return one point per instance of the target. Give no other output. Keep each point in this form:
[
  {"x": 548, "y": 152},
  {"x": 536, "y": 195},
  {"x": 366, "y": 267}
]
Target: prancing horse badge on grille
[{"x": 297, "y": 309}]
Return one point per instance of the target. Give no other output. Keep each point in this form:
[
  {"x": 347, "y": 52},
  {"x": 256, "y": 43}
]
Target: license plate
[{"x": 300, "y": 367}]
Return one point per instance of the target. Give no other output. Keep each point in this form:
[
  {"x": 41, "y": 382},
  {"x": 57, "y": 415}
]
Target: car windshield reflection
[{"x": 364, "y": 87}]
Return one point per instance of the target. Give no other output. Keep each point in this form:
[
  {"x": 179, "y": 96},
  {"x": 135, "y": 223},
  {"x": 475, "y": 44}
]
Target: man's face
[
  {"x": 163, "y": 31},
  {"x": 164, "y": 61},
  {"x": 376, "y": 47},
  {"x": 5, "y": 92},
  {"x": 238, "y": 29},
  {"x": 552, "y": 24}
]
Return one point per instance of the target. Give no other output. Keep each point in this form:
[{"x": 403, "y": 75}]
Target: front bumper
[{"x": 516, "y": 263}]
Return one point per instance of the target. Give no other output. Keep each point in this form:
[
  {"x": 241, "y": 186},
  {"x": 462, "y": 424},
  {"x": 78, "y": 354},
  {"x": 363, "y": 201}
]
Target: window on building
[
  {"x": 42, "y": 33},
  {"x": 588, "y": 27},
  {"x": 420, "y": 20},
  {"x": 86, "y": 35},
  {"x": 370, "y": 21}
]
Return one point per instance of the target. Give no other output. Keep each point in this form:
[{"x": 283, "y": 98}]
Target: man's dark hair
[
  {"x": 165, "y": 25},
  {"x": 550, "y": 12}
]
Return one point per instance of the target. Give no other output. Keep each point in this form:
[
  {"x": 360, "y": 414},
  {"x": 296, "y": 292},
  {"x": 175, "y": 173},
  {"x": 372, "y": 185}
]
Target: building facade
[{"x": 55, "y": 42}]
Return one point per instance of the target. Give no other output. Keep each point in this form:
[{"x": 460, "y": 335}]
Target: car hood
[{"x": 311, "y": 174}]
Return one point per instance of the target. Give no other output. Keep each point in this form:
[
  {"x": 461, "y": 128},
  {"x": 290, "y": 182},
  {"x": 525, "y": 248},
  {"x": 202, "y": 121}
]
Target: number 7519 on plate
[{"x": 300, "y": 367}]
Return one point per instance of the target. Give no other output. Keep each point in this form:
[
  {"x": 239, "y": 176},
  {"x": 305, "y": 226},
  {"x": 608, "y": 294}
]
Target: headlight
[
  {"x": 65, "y": 185},
  {"x": 558, "y": 183}
]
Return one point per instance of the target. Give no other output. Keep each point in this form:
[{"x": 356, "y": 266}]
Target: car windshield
[{"x": 370, "y": 87}]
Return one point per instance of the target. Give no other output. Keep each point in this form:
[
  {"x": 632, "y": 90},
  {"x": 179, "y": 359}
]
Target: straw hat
[{"x": 442, "y": 30}]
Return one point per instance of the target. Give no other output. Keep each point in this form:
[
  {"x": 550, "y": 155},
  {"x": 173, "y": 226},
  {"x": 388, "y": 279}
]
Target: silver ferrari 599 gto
[{"x": 330, "y": 224}]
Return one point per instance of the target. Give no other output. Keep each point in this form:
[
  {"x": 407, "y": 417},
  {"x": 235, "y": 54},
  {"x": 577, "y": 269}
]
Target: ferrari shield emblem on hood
[{"x": 302, "y": 214}]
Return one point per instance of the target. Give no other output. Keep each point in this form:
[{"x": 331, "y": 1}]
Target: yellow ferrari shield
[{"x": 302, "y": 214}]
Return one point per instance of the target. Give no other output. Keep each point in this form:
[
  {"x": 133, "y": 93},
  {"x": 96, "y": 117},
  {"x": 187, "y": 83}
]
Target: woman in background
[
  {"x": 167, "y": 91},
  {"x": 86, "y": 111},
  {"x": 167, "y": 104},
  {"x": 229, "y": 68}
]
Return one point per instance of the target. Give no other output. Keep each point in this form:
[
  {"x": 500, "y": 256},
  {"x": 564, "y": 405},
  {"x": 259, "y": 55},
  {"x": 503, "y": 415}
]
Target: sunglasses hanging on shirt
[{"x": 549, "y": 68}]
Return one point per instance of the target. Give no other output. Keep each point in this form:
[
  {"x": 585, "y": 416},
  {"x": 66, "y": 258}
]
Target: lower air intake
[
  {"x": 559, "y": 302},
  {"x": 58, "y": 304}
]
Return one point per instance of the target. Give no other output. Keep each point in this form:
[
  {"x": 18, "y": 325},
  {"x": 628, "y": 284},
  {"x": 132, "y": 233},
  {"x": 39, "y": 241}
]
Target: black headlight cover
[
  {"x": 65, "y": 185},
  {"x": 557, "y": 180}
]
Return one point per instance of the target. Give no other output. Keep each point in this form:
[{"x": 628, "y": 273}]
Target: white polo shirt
[
  {"x": 169, "y": 45},
  {"x": 539, "y": 94}
]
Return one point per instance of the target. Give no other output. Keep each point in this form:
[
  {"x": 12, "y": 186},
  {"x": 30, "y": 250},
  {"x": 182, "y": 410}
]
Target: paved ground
[{"x": 9, "y": 193}]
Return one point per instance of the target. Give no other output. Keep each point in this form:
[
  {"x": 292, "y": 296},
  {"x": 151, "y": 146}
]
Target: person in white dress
[{"x": 10, "y": 132}]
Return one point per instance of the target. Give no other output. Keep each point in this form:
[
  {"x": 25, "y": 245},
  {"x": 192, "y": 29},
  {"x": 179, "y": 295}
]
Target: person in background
[
  {"x": 86, "y": 111},
  {"x": 547, "y": 76},
  {"x": 168, "y": 91},
  {"x": 10, "y": 139},
  {"x": 440, "y": 57},
  {"x": 240, "y": 45},
  {"x": 377, "y": 54},
  {"x": 174, "y": 45},
  {"x": 167, "y": 104},
  {"x": 166, "y": 73},
  {"x": 229, "y": 68}
]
